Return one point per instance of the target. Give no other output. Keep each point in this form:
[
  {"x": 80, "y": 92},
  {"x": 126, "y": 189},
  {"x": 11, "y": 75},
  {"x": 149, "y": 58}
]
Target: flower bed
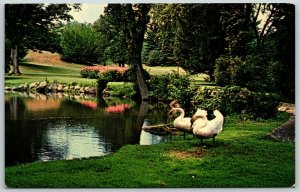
[{"x": 92, "y": 72}]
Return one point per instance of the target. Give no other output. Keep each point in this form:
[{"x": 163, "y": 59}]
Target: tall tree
[
  {"x": 80, "y": 43},
  {"x": 199, "y": 39},
  {"x": 29, "y": 26},
  {"x": 236, "y": 24},
  {"x": 113, "y": 41},
  {"x": 162, "y": 31},
  {"x": 132, "y": 19}
]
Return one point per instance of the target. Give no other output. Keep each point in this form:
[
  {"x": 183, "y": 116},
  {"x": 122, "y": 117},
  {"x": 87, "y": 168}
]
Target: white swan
[
  {"x": 182, "y": 123},
  {"x": 203, "y": 128}
]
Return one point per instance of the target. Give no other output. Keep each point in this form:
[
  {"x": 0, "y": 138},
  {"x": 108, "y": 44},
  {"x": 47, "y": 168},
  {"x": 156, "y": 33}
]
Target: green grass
[
  {"x": 69, "y": 73},
  {"x": 158, "y": 70},
  {"x": 241, "y": 157},
  {"x": 32, "y": 72}
]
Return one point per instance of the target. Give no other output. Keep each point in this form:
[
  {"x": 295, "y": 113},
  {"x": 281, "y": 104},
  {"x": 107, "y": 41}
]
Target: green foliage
[
  {"x": 122, "y": 89},
  {"x": 227, "y": 71},
  {"x": 101, "y": 83},
  {"x": 91, "y": 74},
  {"x": 130, "y": 75},
  {"x": 155, "y": 58},
  {"x": 236, "y": 100},
  {"x": 113, "y": 75},
  {"x": 159, "y": 58},
  {"x": 113, "y": 41},
  {"x": 32, "y": 26},
  {"x": 170, "y": 87},
  {"x": 80, "y": 44}
]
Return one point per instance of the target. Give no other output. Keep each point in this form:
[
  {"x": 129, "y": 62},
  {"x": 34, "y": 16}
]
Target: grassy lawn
[
  {"x": 241, "y": 157},
  {"x": 158, "y": 70},
  {"x": 39, "y": 66}
]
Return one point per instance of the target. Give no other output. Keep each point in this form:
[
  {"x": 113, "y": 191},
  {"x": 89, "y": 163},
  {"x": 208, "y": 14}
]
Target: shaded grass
[{"x": 241, "y": 157}]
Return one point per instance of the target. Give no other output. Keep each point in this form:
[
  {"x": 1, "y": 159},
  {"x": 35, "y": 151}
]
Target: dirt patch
[
  {"x": 44, "y": 57},
  {"x": 196, "y": 153}
]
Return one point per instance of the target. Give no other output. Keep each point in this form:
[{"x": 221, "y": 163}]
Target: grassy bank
[{"x": 242, "y": 157}]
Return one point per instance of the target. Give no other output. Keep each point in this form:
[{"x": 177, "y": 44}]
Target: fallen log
[{"x": 161, "y": 129}]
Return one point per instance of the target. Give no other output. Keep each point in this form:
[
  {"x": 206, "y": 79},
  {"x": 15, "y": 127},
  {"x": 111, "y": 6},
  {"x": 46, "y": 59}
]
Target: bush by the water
[
  {"x": 116, "y": 74},
  {"x": 237, "y": 100},
  {"x": 170, "y": 87},
  {"x": 121, "y": 89}
]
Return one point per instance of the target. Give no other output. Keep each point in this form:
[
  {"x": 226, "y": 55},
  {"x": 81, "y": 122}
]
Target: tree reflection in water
[{"x": 52, "y": 127}]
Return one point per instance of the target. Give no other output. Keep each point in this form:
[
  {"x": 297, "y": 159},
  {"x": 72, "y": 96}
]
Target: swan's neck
[{"x": 181, "y": 111}]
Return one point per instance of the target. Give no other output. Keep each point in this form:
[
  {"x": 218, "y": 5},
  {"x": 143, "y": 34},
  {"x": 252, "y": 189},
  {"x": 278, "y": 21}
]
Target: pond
[{"x": 51, "y": 127}]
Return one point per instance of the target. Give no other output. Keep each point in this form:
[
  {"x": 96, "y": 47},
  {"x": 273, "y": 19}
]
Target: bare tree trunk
[
  {"x": 14, "y": 59},
  {"x": 141, "y": 79}
]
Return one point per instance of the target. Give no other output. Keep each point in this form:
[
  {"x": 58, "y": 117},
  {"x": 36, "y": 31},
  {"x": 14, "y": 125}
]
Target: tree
[
  {"x": 161, "y": 33},
  {"x": 199, "y": 38},
  {"x": 80, "y": 43},
  {"x": 29, "y": 26},
  {"x": 132, "y": 19},
  {"x": 113, "y": 41},
  {"x": 187, "y": 34}
]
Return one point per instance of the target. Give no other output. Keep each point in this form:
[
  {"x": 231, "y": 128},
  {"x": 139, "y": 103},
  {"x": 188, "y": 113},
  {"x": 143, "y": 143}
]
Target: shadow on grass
[{"x": 47, "y": 69}]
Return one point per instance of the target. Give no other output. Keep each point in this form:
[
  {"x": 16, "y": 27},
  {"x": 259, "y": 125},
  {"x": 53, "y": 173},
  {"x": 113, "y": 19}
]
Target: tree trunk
[
  {"x": 140, "y": 78},
  {"x": 14, "y": 59}
]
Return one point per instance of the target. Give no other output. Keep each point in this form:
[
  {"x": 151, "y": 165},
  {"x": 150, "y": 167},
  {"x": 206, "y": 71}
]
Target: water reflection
[
  {"x": 50, "y": 127},
  {"x": 151, "y": 139},
  {"x": 147, "y": 138},
  {"x": 70, "y": 140}
]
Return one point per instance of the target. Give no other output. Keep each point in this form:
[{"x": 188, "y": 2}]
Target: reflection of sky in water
[
  {"x": 39, "y": 127},
  {"x": 70, "y": 140},
  {"x": 150, "y": 139},
  {"x": 147, "y": 138}
]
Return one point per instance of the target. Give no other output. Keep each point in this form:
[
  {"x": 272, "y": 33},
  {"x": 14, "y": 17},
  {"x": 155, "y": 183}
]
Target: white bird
[
  {"x": 182, "y": 123},
  {"x": 203, "y": 128}
]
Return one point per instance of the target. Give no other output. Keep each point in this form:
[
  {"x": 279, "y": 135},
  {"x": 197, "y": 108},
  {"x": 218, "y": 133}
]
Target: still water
[{"x": 50, "y": 127}]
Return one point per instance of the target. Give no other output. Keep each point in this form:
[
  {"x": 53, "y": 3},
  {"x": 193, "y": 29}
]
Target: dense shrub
[
  {"x": 170, "y": 87},
  {"x": 93, "y": 71},
  {"x": 121, "y": 89},
  {"x": 155, "y": 58},
  {"x": 227, "y": 71},
  {"x": 130, "y": 75},
  {"x": 113, "y": 75},
  {"x": 237, "y": 100}
]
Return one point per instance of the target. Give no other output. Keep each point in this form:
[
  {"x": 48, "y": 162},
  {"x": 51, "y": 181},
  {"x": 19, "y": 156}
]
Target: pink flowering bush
[
  {"x": 117, "y": 108},
  {"x": 93, "y": 72},
  {"x": 90, "y": 104}
]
